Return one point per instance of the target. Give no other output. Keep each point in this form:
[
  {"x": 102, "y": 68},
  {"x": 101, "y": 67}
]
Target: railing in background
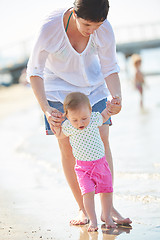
[
  {"x": 129, "y": 39},
  {"x": 137, "y": 33}
]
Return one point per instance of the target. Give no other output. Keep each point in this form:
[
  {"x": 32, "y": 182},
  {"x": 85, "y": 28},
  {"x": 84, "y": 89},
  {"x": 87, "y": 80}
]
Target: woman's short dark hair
[{"x": 92, "y": 10}]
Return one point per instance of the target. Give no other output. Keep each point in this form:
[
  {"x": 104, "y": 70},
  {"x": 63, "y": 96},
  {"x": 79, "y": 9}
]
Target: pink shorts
[{"x": 94, "y": 176}]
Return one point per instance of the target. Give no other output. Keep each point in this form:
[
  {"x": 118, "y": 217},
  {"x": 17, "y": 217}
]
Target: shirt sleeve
[
  {"x": 37, "y": 60},
  {"x": 66, "y": 128},
  {"x": 107, "y": 49}
]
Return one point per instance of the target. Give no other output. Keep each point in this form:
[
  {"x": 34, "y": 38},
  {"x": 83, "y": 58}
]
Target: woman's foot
[
  {"x": 117, "y": 218},
  {"x": 92, "y": 227},
  {"x": 81, "y": 219},
  {"x": 109, "y": 223}
]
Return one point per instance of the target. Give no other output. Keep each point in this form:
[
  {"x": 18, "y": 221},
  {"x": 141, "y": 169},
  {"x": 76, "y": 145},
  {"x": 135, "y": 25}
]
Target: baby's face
[{"x": 80, "y": 118}]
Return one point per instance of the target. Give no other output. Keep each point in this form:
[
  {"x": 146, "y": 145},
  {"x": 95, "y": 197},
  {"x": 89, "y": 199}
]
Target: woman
[{"x": 75, "y": 51}]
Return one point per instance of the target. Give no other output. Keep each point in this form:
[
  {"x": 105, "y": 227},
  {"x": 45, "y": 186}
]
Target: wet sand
[{"x": 35, "y": 200}]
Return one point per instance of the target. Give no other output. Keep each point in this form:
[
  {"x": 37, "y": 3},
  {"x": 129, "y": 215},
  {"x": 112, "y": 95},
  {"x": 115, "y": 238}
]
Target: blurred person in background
[{"x": 138, "y": 76}]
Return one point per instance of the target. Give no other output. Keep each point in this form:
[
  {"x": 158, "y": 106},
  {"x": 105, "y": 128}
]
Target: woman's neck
[
  {"x": 72, "y": 26},
  {"x": 66, "y": 17},
  {"x": 77, "y": 40}
]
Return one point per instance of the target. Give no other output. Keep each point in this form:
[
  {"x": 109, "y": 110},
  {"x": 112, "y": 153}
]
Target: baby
[{"x": 92, "y": 170}]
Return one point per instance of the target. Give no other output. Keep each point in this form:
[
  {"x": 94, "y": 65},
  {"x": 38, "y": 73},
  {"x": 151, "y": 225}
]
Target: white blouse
[{"x": 65, "y": 70}]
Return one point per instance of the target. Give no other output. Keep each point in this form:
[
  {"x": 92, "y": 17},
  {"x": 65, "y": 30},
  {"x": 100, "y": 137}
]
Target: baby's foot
[
  {"x": 81, "y": 219},
  {"x": 92, "y": 227},
  {"x": 109, "y": 223}
]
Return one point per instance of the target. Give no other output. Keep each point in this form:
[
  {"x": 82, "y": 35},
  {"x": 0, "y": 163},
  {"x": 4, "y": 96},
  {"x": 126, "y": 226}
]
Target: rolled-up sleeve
[
  {"x": 37, "y": 60},
  {"x": 107, "y": 50}
]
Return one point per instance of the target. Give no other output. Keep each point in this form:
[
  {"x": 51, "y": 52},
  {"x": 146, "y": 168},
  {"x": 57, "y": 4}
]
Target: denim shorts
[{"x": 98, "y": 107}]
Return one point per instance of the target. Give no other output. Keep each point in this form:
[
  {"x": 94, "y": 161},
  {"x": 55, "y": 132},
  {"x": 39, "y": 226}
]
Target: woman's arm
[
  {"x": 38, "y": 89},
  {"x": 114, "y": 86},
  {"x": 53, "y": 116}
]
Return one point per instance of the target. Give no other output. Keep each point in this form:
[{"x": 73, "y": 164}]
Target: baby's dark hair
[
  {"x": 92, "y": 10},
  {"x": 75, "y": 100}
]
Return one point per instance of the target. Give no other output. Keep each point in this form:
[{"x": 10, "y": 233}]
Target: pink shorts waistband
[{"x": 87, "y": 163}]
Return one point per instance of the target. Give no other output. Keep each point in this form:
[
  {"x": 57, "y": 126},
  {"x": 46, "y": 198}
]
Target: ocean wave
[
  {"x": 141, "y": 198},
  {"x": 132, "y": 175}
]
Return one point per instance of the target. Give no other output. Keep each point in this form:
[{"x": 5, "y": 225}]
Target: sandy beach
[{"x": 35, "y": 200}]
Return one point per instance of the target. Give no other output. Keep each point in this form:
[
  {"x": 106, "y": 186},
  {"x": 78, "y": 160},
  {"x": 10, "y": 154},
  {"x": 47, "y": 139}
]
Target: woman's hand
[{"x": 54, "y": 118}]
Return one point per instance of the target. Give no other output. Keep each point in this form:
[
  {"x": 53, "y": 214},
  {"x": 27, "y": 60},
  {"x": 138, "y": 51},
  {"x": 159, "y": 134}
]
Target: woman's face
[{"x": 86, "y": 27}]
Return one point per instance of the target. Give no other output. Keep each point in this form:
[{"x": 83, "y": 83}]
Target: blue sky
[{"x": 20, "y": 19}]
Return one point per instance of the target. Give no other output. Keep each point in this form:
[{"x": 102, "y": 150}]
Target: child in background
[
  {"x": 138, "y": 78},
  {"x": 92, "y": 170}
]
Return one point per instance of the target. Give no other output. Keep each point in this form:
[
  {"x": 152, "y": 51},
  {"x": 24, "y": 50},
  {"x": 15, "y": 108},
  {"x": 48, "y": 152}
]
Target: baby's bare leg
[
  {"x": 106, "y": 201},
  {"x": 88, "y": 200}
]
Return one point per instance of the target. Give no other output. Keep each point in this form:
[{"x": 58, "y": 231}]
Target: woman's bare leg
[
  {"x": 116, "y": 216},
  {"x": 68, "y": 163}
]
